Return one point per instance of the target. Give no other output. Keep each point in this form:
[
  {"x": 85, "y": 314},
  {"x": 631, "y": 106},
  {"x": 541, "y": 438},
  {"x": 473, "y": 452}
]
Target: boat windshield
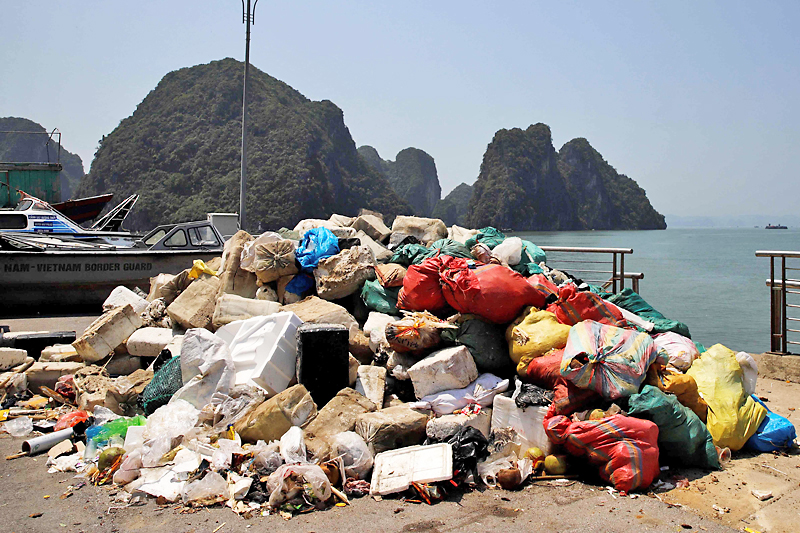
[
  {"x": 23, "y": 205},
  {"x": 155, "y": 237}
]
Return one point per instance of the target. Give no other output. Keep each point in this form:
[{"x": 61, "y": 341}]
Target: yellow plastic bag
[
  {"x": 532, "y": 335},
  {"x": 733, "y": 416},
  {"x": 200, "y": 267},
  {"x": 682, "y": 386}
]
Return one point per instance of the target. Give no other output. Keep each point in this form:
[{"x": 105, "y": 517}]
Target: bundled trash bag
[
  {"x": 298, "y": 481},
  {"x": 274, "y": 260},
  {"x": 379, "y": 298},
  {"x": 415, "y": 331},
  {"x": 609, "y": 360},
  {"x": 390, "y": 274},
  {"x": 682, "y": 386},
  {"x": 485, "y": 341},
  {"x": 411, "y": 254},
  {"x": 292, "y": 289},
  {"x": 625, "y": 448},
  {"x": 317, "y": 243},
  {"x": 530, "y": 258},
  {"x": 481, "y": 391},
  {"x": 541, "y": 283},
  {"x": 354, "y": 453},
  {"x": 630, "y": 301},
  {"x": 532, "y": 335},
  {"x": 421, "y": 288},
  {"x": 489, "y": 236},
  {"x": 568, "y": 398},
  {"x": 493, "y": 292},
  {"x": 733, "y": 416},
  {"x": 470, "y": 447},
  {"x": 680, "y": 350},
  {"x": 451, "y": 248},
  {"x": 776, "y": 433},
  {"x": 683, "y": 438},
  {"x": 575, "y": 306},
  {"x": 509, "y": 252},
  {"x": 545, "y": 371}
]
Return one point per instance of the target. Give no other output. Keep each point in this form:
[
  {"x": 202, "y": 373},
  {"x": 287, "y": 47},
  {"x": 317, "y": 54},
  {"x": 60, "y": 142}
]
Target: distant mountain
[
  {"x": 412, "y": 175},
  {"x": 180, "y": 150},
  {"x": 524, "y": 184},
  {"x": 16, "y": 148},
  {"x": 604, "y": 199},
  {"x": 452, "y": 209}
]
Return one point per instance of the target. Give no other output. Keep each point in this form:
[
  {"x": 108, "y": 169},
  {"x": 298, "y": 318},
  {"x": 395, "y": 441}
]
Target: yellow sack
[
  {"x": 199, "y": 267},
  {"x": 733, "y": 416},
  {"x": 532, "y": 335},
  {"x": 682, "y": 386}
]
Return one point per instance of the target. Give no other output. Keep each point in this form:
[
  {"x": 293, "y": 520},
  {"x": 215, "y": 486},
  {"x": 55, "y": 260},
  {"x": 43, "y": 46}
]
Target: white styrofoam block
[
  {"x": 123, "y": 295},
  {"x": 445, "y": 426},
  {"x": 106, "y": 333},
  {"x": 371, "y": 382},
  {"x": 264, "y": 350},
  {"x": 11, "y": 357},
  {"x": 395, "y": 470},
  {"x": 528, "y": 423},
  {"x": 148, "y": 342},
  {"x": 451, "y": 368}
]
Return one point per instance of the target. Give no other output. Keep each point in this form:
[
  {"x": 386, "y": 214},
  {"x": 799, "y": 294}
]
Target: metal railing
[
  {"x": 782, "y": 289},
  {"x": 589, "y": 264}
]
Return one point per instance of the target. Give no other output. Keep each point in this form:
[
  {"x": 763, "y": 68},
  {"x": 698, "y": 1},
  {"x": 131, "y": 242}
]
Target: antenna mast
[{"x": 248, "y": 18}]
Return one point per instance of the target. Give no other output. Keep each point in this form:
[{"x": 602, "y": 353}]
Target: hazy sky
[{"x": 697, "y": 101}]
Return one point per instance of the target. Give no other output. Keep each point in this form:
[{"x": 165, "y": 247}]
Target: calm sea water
[{"x": 709, "y": 279}]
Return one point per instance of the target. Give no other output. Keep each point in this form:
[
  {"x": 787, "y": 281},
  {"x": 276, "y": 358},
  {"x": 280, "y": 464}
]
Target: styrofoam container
[
  {"x": 528, "y": 423},
  {"x": 395, "y": 470},
  {"x": 264, "y": 350}
]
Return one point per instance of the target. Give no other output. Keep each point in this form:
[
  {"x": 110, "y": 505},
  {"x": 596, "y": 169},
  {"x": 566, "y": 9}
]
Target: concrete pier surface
[{"x": 30, "y": 498}]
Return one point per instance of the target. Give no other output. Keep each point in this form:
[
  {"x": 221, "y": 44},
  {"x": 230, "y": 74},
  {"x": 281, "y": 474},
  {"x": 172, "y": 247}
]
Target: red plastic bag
[
  {"x": 545, "y": 371},
  {"x": 422, "y": 290},
  {"x": 625, "y": 448},
  {"x": 543, "y": 285},
  {"x": 493, "y": 292},
  {"x": 70, "y": 419},
  {"x": 569, "y": 398},
  {"x": 575, "y": 306}
]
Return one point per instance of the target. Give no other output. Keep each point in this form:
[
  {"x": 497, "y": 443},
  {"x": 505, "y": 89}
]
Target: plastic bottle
[{"x": 100, "y": 435}]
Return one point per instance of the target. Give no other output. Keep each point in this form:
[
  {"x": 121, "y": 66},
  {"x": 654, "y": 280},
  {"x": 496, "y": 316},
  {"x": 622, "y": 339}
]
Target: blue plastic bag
[
  {"x": 301, "y": 285},
  {"x": 317, "y": 243},
  {"x": 775, "y": 433}
]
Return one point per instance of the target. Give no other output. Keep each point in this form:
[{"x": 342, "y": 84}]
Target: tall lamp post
[{"x": 249, "y": 17}]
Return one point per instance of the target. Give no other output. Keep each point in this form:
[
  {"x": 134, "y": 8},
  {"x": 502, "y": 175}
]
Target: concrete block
[
  {"x": 106, "y": 333},
  {"x": 148, "y": 342},
  {"x": 381, "y": 252},
  {"x": 47, "y": 374},
  {"x": 272, "y": 418},
  {"x": 315, "y": 310},
  {"x": 427, "y": 230},
  {"x": 13, "y": 382},
  {"x": 392, "y": 428},
  {"x": 123, "y": 364},
  {"x": 59, "y": 353},
  {"x": 89, "y": 400},
  {"x": 782, "y": 367},
  {"x": 372, "y": 226},
  {"x": 353, "y": 376},
  {"x": 359, "y": 347},
  {"x": 344, "y": 273},
  {"x": 122, "y": 296},
  {"x": 371, "y": 382},
  {"x": 231, "y": 307},
  {"x": 11, "y": 357},
  {"x": 443, "y": 427},
  {"x": 194, "y": 307},
  {"x": 451, "y": 368},
  {"x": 340, "y": 414}
]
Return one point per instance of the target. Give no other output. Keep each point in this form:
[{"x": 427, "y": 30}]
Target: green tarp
[{"x": 630, "y": 301}]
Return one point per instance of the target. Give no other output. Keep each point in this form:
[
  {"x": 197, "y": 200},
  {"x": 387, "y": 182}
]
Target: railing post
[
  {"x": 621, "y": 271},
  {"x": 783, "y": 305},
  {"x": 614, "y": 273}
]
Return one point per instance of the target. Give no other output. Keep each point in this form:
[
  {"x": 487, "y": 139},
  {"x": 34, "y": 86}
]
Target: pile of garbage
[{"x": 342, "y": 358}]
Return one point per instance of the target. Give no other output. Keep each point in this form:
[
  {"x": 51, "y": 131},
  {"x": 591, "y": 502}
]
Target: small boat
[
  {"x": 779, "y": 226},
  {"x": 83, "y": 209},
  {"x": 56, "y": 271},
  {"x": 35, "y": 216}
]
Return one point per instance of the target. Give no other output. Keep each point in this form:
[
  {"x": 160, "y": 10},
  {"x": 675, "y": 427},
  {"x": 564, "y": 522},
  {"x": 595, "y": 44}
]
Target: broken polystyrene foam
[
  {"x": 395, "y": 470},
  {"x": 526, "y": 422}
]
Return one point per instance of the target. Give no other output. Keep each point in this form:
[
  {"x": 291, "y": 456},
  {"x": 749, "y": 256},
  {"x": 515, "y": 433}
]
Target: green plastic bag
[
  {"x": 379, "y": 298},
  {"x": 486, "y": 342},
  {"x": 489, "y": 236},
  {"x": 630, "y": 301},
  {"x": 531, "y": 256},
  {"x": 411, "y": 254},
  {"x": 683, "y": 438},
  {"x": 451, "y": 248},
  {"x": 162, "y": 387},
  {"x": 114, "y": 428}
]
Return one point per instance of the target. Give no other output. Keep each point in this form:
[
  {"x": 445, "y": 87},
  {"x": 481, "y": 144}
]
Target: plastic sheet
[
  {"x": 19, "y": 427},
  {"x": 293, "y": 446},
  {"x": 206, "y": 368},
  {"x": 211, "y": 486}
]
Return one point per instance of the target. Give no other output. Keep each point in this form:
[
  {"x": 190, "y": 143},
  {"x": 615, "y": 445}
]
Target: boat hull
[{"x": 63, "y": 279}]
